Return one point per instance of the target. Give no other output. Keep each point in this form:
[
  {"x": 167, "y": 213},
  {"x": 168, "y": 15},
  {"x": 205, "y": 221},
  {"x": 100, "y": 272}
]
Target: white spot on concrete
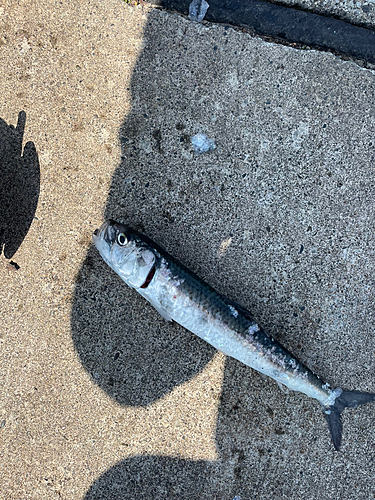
[
  {"x": 292, "y": 363},
  {"x": 104, "y": 134},
  {"x": 299, "y": 135},
  {"x": 197, "y": 10},
  {"x": 247, "y": 158},
  {"x": 233, "y": 80},
  {"x": 145, "y": 145},
  {"x": 45, "y": 157},
  {"x": 253, "y": 329},
  {"x": 202, "y": 144},
  {"x": 224, "y": 245},
  {"x": 25, "y": 46},
  {"x": 233, "y": 311}
]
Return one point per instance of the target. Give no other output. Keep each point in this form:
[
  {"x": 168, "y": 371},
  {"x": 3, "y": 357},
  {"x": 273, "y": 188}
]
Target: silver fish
[{"x": 179, "y": 295}]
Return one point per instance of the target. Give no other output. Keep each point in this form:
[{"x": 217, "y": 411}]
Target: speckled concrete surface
[{"x": 101, "y": 398}]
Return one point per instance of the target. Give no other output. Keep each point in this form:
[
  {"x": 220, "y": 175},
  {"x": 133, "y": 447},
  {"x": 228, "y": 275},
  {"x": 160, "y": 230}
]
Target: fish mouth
[
  {"x": 103, "y": 239},
  {"x": 109, "y": 234},
  {"x": 106, "y": 232}
]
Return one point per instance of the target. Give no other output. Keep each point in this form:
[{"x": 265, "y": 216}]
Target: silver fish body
[{"x": 179, "y": 295}]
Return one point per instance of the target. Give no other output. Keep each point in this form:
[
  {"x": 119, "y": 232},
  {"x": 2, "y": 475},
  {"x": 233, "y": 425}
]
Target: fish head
[{"x": 126, "y": 251}]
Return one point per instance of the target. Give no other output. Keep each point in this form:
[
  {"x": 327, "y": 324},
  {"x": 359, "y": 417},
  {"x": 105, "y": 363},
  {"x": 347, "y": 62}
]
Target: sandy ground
[{"x": 100, "y": 397}]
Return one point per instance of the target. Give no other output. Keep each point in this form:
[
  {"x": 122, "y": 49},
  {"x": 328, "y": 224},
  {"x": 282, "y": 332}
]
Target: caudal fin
[{"x": 347, "y": 399}]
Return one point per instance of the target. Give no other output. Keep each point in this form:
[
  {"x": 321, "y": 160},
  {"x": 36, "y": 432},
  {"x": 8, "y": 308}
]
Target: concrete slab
[{"x": 101, "y": 398}]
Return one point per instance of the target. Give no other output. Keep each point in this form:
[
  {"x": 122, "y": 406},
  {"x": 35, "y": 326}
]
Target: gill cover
[
  {"x": 125, "y": 253},
  {"x": 135, "y": 267}
]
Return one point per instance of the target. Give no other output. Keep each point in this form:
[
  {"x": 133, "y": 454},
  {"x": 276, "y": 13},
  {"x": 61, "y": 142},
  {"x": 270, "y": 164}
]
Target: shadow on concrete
[
  {"x": 134, "y": 355},
  {"x": 154, "y": 477},
  {"x": 19, "y": 185},
  {"x": 242, "y": 194},
  {"x": 245, "y": 452}
]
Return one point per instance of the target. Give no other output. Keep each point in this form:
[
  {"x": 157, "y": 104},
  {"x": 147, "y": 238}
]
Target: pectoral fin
[{"x": 158, "y": 307}]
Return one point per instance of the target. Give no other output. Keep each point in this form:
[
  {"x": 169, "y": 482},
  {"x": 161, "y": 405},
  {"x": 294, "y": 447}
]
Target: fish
[{"x": 180, "y": 295}]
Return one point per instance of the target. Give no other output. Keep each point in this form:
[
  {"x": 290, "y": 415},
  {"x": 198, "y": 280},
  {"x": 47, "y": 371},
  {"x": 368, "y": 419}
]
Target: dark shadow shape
[
  {"x": 159, "y": 478},
  {"x": 134, "y": 355},
  {"x": 19, "y": 185},
  {"x": 251, "y": 440},
  {"x": 131, "y": 352}
]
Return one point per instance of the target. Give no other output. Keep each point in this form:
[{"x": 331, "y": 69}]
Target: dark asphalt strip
[{"x": 286, "y": 24}]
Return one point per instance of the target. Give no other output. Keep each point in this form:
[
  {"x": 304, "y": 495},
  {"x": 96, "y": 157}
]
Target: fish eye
[{"x": 122, "y": 239}]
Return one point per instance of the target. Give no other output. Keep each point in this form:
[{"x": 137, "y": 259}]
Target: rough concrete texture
[
  {"x": 359, "y": 12},
  {"x": 101, "y": 398}
]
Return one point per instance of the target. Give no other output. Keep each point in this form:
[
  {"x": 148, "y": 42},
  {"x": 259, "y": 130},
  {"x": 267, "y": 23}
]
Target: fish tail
[{"x": 347, "y": 399}]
